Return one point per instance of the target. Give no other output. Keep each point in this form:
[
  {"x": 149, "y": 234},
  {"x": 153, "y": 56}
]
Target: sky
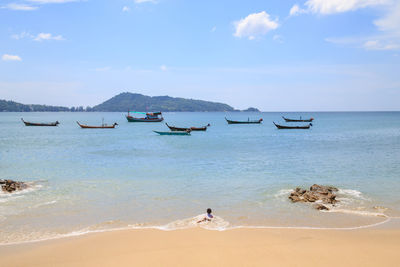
[{"x": 276, "y": 55}]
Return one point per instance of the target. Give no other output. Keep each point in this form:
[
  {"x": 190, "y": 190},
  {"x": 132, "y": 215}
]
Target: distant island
[
  {"x": 251, "y": 109},
  {"x": 139, "y": 102},
  {"x": 130, "y": 101},
  {"x": 11, "y": 106}
]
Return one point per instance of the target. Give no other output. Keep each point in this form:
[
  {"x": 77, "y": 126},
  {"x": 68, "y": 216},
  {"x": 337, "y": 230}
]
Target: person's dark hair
[{"x": 209, "y": 210}]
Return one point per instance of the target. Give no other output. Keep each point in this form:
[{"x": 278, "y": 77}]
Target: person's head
[{"x": 209, "y": 211}]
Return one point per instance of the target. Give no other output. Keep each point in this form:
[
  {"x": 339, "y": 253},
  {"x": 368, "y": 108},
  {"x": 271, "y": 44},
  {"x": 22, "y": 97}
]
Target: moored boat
[
  {"x": 298, "y": 120},
  {"x": 204, "y": 128},
  {"x": 150, "y": 117},
  {"x": 102, "y": 126},
  {"x": 293, "y": 127},
  {"x": 39, "y": 124},
  {"x": 173, "y": 128},
  {"x": 177, "y": 129},
  {"x": 244, "y": 122},
  {"x": 173, "y": 133}
]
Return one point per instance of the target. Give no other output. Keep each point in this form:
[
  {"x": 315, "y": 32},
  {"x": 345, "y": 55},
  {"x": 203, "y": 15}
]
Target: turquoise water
[{"x": 88, "y": 180}]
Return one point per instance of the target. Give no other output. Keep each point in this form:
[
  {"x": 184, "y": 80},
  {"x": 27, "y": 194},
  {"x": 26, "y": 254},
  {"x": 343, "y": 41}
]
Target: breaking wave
[
  {"x": 218, "y": 223},
  {"x": 32, "y": 186}
]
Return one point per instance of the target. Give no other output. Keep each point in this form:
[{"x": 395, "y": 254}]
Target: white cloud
[
  {"x": 7, "y": 57},
  {"x": 22, "y": 35},
  {"x": 338, "y": 6},
  {"x": 377, "y": 42},
  {"x": 389, "y": 24},
  {"x": 379, "y": 45},
  {"x": 40, "y": 37},
  {"x": 126, "y": 9},
  {"x": 163, "y": 67},
  {"x": 295, "y": 10},
  {"x": 48, "y": 36},
  {"x": 145, "y": 1},
  {"x": 33, "y": 4},
  {"x": 391, "y": 21},
  {"x": 255, "y": 24},
  {"x": 21, "y": 7},
  {"x": 213, "y": 29}
]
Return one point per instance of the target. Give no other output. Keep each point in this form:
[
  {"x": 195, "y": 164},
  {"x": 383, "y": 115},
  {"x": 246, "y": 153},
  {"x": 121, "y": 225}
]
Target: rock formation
[
  {"x": 317, "y": 193},
  {"x": 10, "y": 186}
]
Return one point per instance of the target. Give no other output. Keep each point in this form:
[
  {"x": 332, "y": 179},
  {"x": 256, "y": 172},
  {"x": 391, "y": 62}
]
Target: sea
[{"x": 93, "y": 180}]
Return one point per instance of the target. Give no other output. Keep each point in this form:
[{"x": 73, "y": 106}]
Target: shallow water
[{"x": 89, "y": 180}]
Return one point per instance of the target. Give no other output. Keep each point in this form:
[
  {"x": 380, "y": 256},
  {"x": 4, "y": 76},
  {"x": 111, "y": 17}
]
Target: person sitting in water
[{"x": 208, "y": 217}]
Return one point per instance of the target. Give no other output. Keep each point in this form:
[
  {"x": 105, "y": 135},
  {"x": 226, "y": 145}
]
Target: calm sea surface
[{"x": 91, "y": 180}]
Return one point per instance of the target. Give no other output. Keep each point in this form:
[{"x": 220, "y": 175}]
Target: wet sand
[{"x": 199, "y": 247}]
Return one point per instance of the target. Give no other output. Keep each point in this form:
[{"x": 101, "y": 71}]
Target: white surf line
[
  {"x": 163, "y": 228},
  {"x": 72, "y": 234},
  {"x": 313, "y": 228}
]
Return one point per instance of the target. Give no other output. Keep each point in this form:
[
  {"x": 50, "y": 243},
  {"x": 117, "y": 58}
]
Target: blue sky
[{"x": 278, "y": 55}]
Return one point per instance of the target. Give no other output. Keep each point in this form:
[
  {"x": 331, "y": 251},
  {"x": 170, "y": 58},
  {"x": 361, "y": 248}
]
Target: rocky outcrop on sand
[
  {"x": 10, "y": 186},
  {"x": 317, "y": 193}
]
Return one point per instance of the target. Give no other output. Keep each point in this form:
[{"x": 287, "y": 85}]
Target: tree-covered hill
[
  {"x": 129, "y": 101},
  {"x": 12, "y": 106}
]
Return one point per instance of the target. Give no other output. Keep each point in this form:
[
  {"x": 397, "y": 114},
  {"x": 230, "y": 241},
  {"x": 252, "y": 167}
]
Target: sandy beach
[{"x": 199, "y": 247}]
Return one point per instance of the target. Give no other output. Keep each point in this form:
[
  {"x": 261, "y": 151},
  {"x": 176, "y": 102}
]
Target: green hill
[
  {"x": 251, "y": 109},
  {"x": 12, "y": 106},
  {"x": 138, "y": 102}
]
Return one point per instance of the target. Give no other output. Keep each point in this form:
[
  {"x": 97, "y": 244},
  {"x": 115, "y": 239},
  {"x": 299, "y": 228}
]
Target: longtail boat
[
  {"x": 39, "y": 124},
  {"x": 102, "y": 126},
  {"x": 300, "y": 120},
  {"x": 244, "y": 122},
  {"x": 173, "y": 133},
  {"x": 293, "y": 127},
  {"x": 150, "y": 117},
  {"x": 173, "y": 128},
  {"x": 204, "y": 128}
]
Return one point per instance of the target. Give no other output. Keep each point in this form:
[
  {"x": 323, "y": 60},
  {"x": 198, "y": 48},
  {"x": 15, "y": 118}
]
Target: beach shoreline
[{"x": 199, "y": 247}]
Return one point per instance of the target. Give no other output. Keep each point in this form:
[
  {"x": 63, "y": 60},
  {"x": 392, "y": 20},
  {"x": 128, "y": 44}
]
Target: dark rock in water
[
  {"x": 295, "y": 198},
  {"x": 324, "y": 194},
  {"x": 10, "y": 186},
  {"x": 320, "y": 207},
  {"x": 310, "y": 197},
  {"x": 300, "y": 191},
  {"x": 323, "y": 189}
]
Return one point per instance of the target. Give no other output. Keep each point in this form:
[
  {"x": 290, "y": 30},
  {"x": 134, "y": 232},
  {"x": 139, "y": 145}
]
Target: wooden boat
[
  {"x": 39, "y": 124},
  {"x": 204, "y": 128},
  {"x": 173, "y": 128},
  {"x": 102, "y": 126},
  {"x": 150, "y": 117},
  {"x": 293, "y": 127},
  {"x": 244, "y": 122},
  {"x": 173, "y": 133},
  {"x": 300, "y": 120}
]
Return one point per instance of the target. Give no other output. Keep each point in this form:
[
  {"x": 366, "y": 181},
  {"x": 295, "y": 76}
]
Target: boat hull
[
  {"x": 40, "y": 124},
  {"x": 133, "y": 119},
  {"x": 198, "y": 129},
  {"x": 292, "y": 120},
  {"x": 97, "y": 127},
  {"x": 173, "y": 133},
  {"x": 280, "y": 127},
  {"x": 244, "y": 122},
  {"x": 173, "y": 128}
]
